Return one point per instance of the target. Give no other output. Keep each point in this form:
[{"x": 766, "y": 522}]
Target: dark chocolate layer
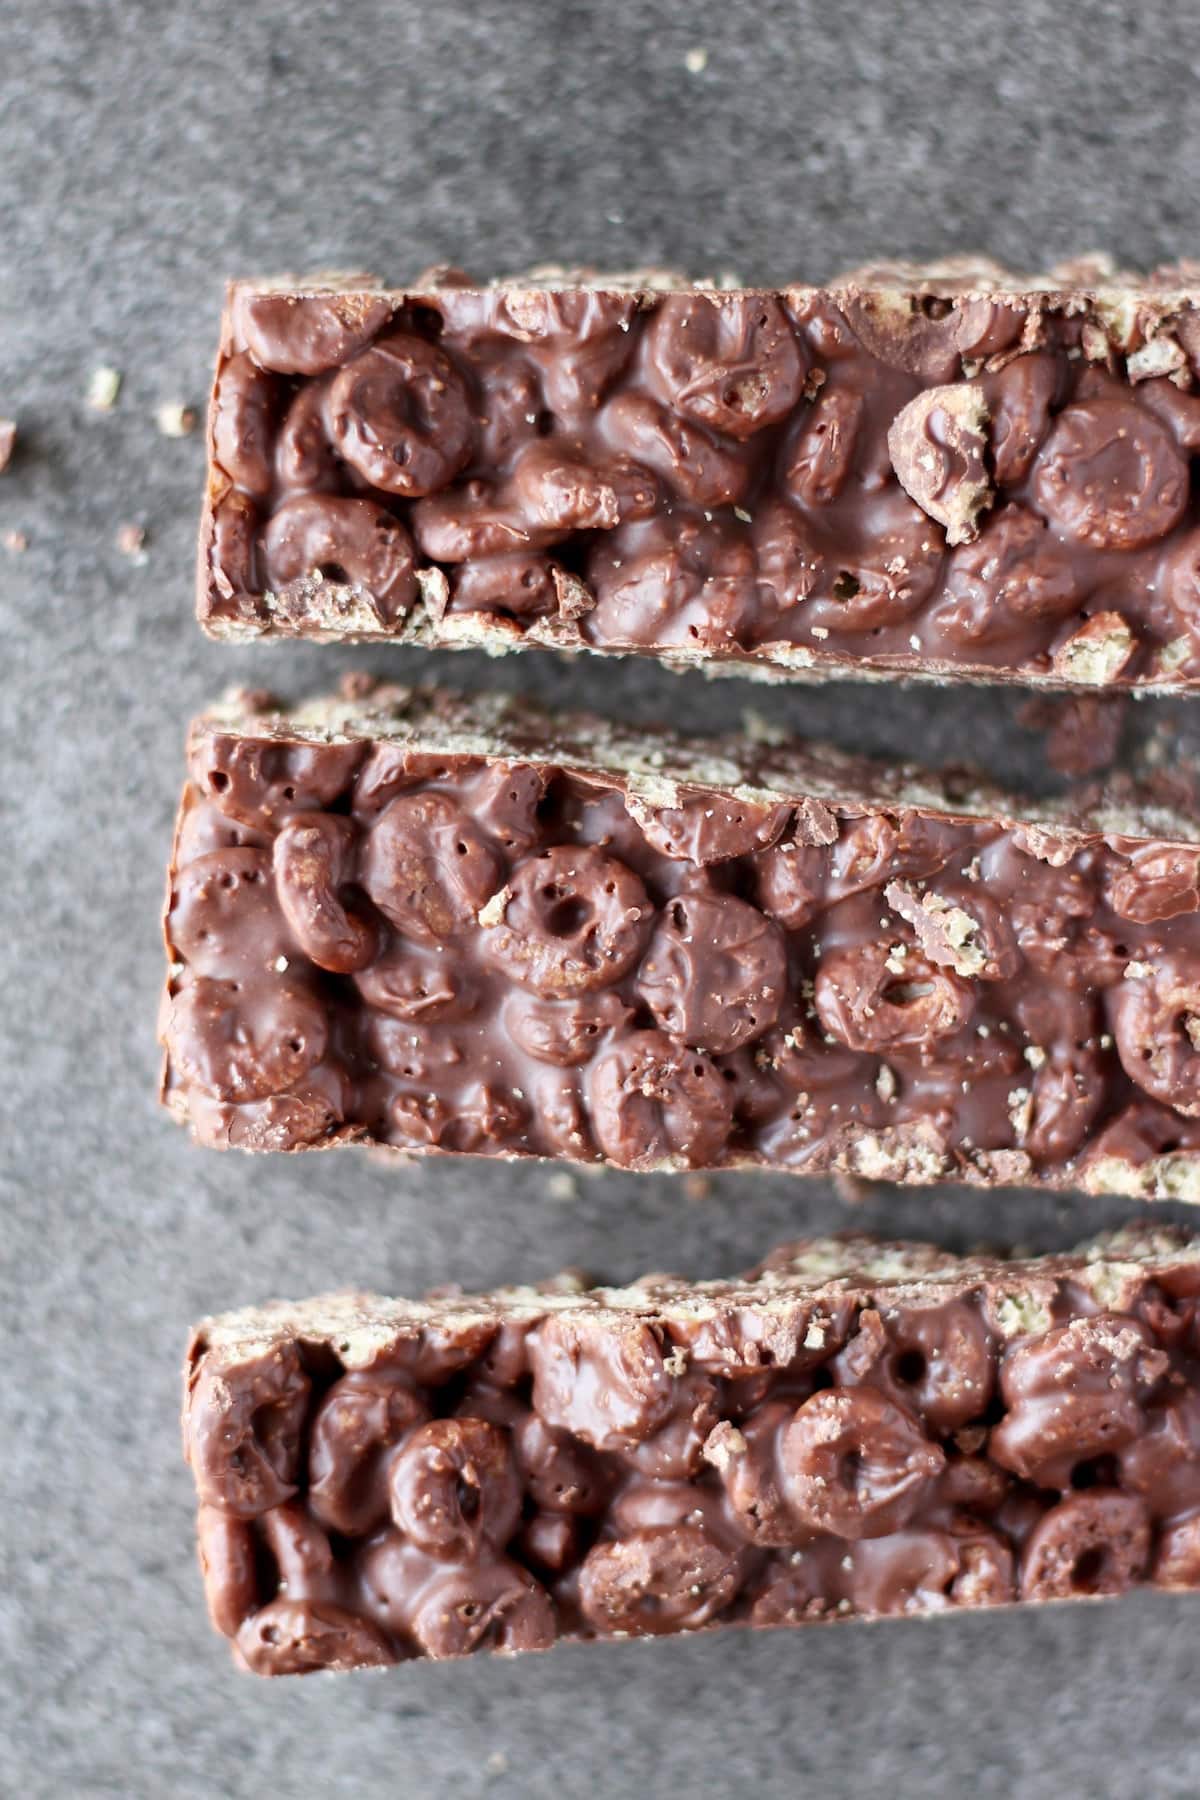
[
  {"x": 857, "y": 1429},
  {"x": 458, "y": 926},
  {"x": 951, "y": 473}
]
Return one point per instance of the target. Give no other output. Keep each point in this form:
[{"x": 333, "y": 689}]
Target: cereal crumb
[
  {"x": 131, "y": 539},
  {"x": 103, "y": 387},
  {"x": 1035, "y": 1056},
  {"x": 497, "y": 1763},
  {"x": 722, "y": 1444},
  {"x": 562, "y": 1186},
  {"x": 492, "y": 911},
  {"x": 676, "y": 1363},
  {"x": 8, "y": 442},
  {"x": 697, "y": 1187},
  {"x": 15, "y": 542},
  {"x": 1138, "y": 971},
  {"x": 176, "y": 421},
  {"x": 696, "y": 60},
  {"x": 814, "y": 1337}
]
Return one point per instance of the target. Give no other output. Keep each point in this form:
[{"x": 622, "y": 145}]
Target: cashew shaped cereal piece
[{"x": 313, "y": 860}]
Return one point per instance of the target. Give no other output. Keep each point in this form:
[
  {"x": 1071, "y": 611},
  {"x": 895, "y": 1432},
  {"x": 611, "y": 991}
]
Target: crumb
[
  {"x": 8, "y": 442},
  {"x": 562, "y": 1186},
  {"x": 697, "y": 1187},
  {"x": 850, "y": 1189},
  {"x": 357, "y": 684},
  {"x": 130, "y": 539},
  {"x": 1083, "y": 731},
  {"x": 15, "y": 542},
  {"x": 696, "y": 60},
  {"x": 176, "y": 421},
  {"x": 103, "y": 387},
  {"x": 497, "y": 1763}
]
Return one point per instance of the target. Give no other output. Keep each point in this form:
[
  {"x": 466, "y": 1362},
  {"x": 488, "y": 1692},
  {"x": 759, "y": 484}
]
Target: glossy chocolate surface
[
  {"x": 855, "y": 1430},
  {"x": 946, "y": 473},
  {"x": 451, "y": 926}
]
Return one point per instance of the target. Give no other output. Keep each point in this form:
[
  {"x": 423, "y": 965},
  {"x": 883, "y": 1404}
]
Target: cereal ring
[
  {"x": 243, "y": 1429},
  {"x": 454, "y": 1489},
  {"x": 854, "y": 1464},
  {"x": 353, "y": 542},
  {"x": 715, "y": 971},
  {"x": 428, "y": 867},
  {"x": 1093, "y": 1543},
  {"x": 652, "y": 1582},
  {"x": 244, "y": 1043},
  {"x": 655, "y": 1101},
  {"x": 305, "y": 334},
  {"x": 1111, "y": 476},
  {"x": 866, "y": 1005},
  {"x": 1156, "y": 1022},
  {"x": 731, "y": 362},
  {"x": 574, "y": 919},
  {"x": 224, "y": 919},
  {"x": 564, "y": 1033},
  {"x": 364, "y": 1415},
  {"x": 298, "y": 1637},
  {"x": 606, "y": 1387},
  {"x": 243, "y": 414},
  {"x": 400, "y": 414}
]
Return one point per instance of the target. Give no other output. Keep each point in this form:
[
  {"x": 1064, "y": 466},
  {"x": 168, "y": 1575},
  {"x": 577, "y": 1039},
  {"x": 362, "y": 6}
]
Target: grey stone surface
[{"x": 145, "y": 151}]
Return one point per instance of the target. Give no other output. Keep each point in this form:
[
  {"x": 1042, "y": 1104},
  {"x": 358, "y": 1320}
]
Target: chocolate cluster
[
  {"x": 856, "y": 1429},
  {"x": 518, "y": 952},
  {"x": 955, "y": 476}
]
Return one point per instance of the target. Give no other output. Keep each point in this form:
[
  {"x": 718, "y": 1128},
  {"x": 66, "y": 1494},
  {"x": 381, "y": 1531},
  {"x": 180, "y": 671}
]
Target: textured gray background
[{"x": 145, "y": 151}]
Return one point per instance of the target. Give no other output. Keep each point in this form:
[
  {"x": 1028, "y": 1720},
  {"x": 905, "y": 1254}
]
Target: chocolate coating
[
  {"x": 926, "y": 1434},
  {"x": 946, "y": 476},
  {"x": 462, "y": 927}
]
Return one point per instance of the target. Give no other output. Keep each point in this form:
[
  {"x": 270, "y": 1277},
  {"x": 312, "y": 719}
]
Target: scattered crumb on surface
[
  {"x": 561, "y": 1186},
  {"x": 697, "y": 1187},
  {"x": 15, "y": 542},
  {"x": 497, "y": 1763},
  {"x": 103, "y": 387},
  {"x": 131, "y": 539},
  {"x": 1083, "y": 731},
  {"x": 357, "y": 684},
  {"x": 696, "y": 60},
  {"x": 851, "y": 1190},
  {"x": 175, "y": 420},
  {"x": 8, "y": 442}
]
